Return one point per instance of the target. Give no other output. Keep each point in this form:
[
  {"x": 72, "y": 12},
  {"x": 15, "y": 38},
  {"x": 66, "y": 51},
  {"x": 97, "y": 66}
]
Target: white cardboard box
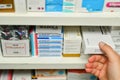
[
  {"x": 20, "y": 6},
  {"x": 15, "y": 48},
  {"x": 91, "y": 43},
  {"x": 36, "y": 5},
  {"x": 21, "y": 75}
]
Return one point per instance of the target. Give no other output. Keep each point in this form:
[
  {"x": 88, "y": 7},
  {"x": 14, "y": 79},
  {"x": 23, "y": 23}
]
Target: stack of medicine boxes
[
  {"x": 53, "y": 5},
  {"x": 92, "y": 37},
  {"x": 72, "y": 41},
  {"x": 48, "y": 41}
]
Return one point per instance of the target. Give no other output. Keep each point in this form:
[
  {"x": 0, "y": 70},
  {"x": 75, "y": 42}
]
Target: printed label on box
[
  {"x": 5, "y": 6},
  {"x": 18, "y": 48},
  {"x": 15, "y": 48}
]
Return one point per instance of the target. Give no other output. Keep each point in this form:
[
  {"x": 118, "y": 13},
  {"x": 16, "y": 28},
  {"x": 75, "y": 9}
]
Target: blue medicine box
[
  {"x": 93, "y": 5},
  {"x": 53, "y": 8}
]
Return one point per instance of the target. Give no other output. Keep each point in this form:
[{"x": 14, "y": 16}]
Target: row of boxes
[
  {"x": 46, "y": 74},
  {"x": 59, "y": 6},
  {"x": 66, "y": 41}
]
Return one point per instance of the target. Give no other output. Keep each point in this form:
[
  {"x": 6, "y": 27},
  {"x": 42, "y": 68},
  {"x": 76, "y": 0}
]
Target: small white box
[
  {"x": 36, "y": 5},
  {"x": 21, "y": 75},
  {"x": 20, "y": 6},
  {"x": 111, "y": 6},
  {"x": 91, "y": 43},
  {"x": 15, "y": 48}
]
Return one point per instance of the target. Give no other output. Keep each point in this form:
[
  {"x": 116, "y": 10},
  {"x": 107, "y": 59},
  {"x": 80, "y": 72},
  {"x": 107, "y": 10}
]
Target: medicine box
[
  {"x": 89, "y": 5},
  {"x": 36, "y": 5},
  {"x": 15, "y": 48},
  {"x": 111, "y": 6},
  {"x": 7, "y": 6},
  {"x": 47, "y": 74},
  {"x": 72, "y": 41},
  {"x": 18, "y": 7},
  {"x": 21, "y": 75},
  {"x": 91, "y": 43},
  {"x": 77, "y": 74},
  {"x": 53, "y": 5}
]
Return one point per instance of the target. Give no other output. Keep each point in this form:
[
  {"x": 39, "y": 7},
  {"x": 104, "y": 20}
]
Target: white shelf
[
  {"x": 36, "y": 18},
  {"x": 43, "y": 62}
]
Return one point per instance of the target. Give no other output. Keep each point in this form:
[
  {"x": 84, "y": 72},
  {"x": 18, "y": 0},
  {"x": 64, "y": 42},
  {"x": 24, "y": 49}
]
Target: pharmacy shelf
[
  {"x": 43, "y": 62},
  {"x": 36, "y": 18}
]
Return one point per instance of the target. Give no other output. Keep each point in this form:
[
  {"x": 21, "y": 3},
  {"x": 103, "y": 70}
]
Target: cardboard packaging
[
  {"x": 21, "y": 75},
  {"x": 7, "y": 6},
  {"x": 53, "y": 5},
  {"x": 77, "y": 74},
  {"x": 15, "y": 48},
  {"x": 89, "y": 5},
  {"x": 90, "y": 43},
  {"x": 92, "y": 37},
  {"x": 72, "y": 41},
  {"x": 36, "y": 5},
  {"x": 19, "y": 8},
  {"x": 52, "y": 74}
]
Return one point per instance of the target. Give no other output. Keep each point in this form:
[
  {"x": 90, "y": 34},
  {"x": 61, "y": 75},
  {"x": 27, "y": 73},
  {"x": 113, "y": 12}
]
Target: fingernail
[{"x": 101, "y": 44}]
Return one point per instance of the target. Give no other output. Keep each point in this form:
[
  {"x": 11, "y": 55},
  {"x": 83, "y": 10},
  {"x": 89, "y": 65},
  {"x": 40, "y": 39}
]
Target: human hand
[{"x": 107, "y": 66}]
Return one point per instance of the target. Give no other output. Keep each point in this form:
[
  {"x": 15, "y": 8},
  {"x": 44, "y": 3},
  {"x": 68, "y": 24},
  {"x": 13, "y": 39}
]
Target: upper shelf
[
  {"x": 43, "y": 62},
  {"x": 36, "y": 18}
]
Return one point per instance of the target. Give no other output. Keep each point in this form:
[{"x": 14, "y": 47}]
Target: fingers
[
  {"x": 110, "y": 53},
  {"x": 95, "y": 65},
  {"x": 94, "y": 68},
  {"x": 97, "y": 58}
]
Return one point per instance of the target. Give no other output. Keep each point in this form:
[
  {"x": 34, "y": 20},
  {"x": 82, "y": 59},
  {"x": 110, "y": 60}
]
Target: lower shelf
[{"x": 43, "y": 62}]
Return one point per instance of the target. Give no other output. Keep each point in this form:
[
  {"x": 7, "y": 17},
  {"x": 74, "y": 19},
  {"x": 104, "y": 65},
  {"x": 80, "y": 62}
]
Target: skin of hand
[{"x": 105, "y": 66}]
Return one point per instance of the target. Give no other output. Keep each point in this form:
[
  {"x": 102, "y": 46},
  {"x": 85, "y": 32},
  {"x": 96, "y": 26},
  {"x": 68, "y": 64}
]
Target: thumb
[{"x": 109, "y": 52}]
